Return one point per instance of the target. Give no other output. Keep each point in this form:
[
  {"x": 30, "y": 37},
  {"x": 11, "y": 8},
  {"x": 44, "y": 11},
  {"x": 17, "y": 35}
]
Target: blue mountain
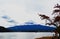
[{"x": 32, "y": 28}]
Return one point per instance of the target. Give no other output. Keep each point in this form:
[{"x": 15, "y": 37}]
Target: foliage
[{"x": 56, "y": 19}]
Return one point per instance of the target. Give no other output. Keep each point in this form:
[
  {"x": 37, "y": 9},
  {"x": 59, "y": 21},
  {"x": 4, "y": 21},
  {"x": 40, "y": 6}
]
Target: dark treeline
[{"x": 3, "y": 29}]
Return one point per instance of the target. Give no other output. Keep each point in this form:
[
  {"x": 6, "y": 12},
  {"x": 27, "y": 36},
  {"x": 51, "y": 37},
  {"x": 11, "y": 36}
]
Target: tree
[
  {"x": 3, "y": 29},
  {"x": 55, "y": 21}
]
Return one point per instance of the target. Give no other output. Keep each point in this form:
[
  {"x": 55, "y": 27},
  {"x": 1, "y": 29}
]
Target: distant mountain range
[{"x": 31, "y": 28}]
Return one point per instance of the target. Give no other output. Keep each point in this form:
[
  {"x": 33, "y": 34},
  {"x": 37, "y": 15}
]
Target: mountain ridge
[{"x": 32, "y": 28}]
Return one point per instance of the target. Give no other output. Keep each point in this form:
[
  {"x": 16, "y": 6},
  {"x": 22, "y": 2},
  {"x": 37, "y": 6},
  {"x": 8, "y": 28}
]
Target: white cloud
[{"x": 25, "y": 10}]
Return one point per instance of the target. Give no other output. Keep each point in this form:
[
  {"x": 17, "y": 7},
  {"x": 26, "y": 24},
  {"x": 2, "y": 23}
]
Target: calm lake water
[{"x": 24, "y": 35}]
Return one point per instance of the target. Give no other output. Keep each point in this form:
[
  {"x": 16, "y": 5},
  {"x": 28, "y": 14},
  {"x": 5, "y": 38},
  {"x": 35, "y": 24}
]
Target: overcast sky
[{"x": 25, "y": 10}]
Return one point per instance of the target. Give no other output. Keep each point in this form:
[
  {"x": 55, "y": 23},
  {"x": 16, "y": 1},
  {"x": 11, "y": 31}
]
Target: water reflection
[{"x": 24, "y": 35}]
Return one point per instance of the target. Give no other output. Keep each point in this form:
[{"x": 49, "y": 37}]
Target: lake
[{"x": 24, "y": 35}]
